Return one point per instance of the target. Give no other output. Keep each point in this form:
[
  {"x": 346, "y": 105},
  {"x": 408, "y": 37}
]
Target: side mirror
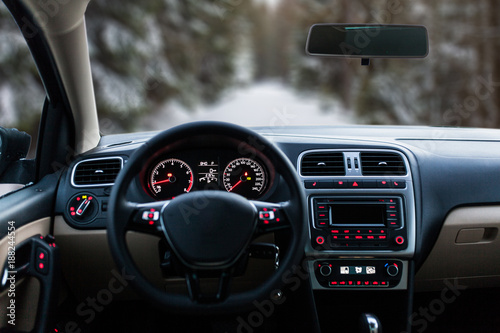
[{"x": 14, "y": 146}]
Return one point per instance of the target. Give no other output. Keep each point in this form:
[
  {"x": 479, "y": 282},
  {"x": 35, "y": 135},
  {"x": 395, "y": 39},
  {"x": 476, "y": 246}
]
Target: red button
[
  {"x": 400, "y": 240},
  {"x": 320, "y": 240}
]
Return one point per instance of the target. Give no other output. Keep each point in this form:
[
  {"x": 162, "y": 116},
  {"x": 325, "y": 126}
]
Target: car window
[{"x": 21, "y": 91}]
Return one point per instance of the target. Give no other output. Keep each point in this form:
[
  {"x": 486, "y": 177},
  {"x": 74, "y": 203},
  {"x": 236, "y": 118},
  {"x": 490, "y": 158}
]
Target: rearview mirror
[{"x": 368, "y": 41}]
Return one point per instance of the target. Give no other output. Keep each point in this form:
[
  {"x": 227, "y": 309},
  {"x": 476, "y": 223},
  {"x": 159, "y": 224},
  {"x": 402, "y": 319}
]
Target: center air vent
[
  {"x": 382, "y": 164},
  {"x": 323, "y": 164},
  {"x": 97, "y": 172}
]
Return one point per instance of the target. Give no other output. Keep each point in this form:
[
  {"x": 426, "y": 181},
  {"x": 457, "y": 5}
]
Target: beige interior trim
[
  {"x": 468, "y": 248},
  {"x": 64, "y": 26},
  {"x": 27, "y": 290}
]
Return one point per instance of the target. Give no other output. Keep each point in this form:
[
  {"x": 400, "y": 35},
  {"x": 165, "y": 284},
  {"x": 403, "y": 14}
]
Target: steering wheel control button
[
  {"x": 392, "y": 269},
  {"x": 266, "y": 215},
  {"x": 400, "y": 240}
]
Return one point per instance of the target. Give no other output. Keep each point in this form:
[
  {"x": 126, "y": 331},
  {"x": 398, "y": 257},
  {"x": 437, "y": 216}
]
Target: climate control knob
[
  {"x": 325, "y": 270},
  {"x": 392, "y": 269}
]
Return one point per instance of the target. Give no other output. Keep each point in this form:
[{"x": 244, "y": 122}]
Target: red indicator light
[
  {"x": 321, "y": 207},
  {"x": 346, "y": 231},
  {"x": 73, "y": 213},
  {"x": 358, "y": 283},
  {"x": 393, "y": 215},
  {"x": 41, "y": 256},
  {"x": 266, "y": 222},
  {"x": 80, "y": 211},
  {"x": 246, "y": 173},
  {"x": 55, "y": 330},
  {"x": 151, "y": 223},
  {"x": 382, "y": 231},
  {"x": 41, "y": 265},
  {"x": 41, "y": 237},
  {"x": 367, "y": 283},
  {"x": 322, "y": 215},
  {"x": 396, "y": 265},
  {"x": 370, "y": 237},
  {"x": 346, "y": 237},
  {"x": 150, "y": 215},
  {"x": 330, "y": 265},
  {"x": 384, "y": 182},
  {"x": 319, "y": 265},
  {"x": 392, "y": 207},
  {"x": 274, "y": 209},
  {"x": 335, "y": 237},
  {"x": 152, "y": 210},
  {"x": 391, "y": 200},
  {"x": 350, "y": 283},
  {"x": 169, "y": 174},
  {"x": 342, "y": 283},
  {"x": 90, "y": 198},
  {"x": 277, "y": 220},
  {"x": 264, "y": 209},
  {"x": 333, "y": 283},
  {"x": 370, "y": 231},
  {"x": 341, "y": 183},
  {"x": 383, "y": 283},
  {"x": 375, "y": 283},
  {"x": 358, "y": 231},
  {"x": 335, "y": 231},
  {"x": 320, "y": 240},
  {"x": 72, "y": 209},
  {"x": 355, "y": 184},
  {"x": 382, "y": 237},
  {"x": 359, "y": 237},
  {"x": 78, "y": 199}
]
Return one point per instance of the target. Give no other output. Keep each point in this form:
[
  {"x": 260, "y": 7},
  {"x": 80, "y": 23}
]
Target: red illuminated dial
[
  {"x": 246, "y": 177},
  {"x": 170, "y": 178}
]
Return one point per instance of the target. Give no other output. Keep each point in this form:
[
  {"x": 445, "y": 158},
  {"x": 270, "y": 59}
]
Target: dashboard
[{"x": 388, "y": 208}]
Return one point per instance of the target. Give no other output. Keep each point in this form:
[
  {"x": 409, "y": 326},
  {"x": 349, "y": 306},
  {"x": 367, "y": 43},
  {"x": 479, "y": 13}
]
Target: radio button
[
  {"x": 398, "y": 183},
  {"x": 383, "y": 183},
  {"x": 338, "y": 183}
]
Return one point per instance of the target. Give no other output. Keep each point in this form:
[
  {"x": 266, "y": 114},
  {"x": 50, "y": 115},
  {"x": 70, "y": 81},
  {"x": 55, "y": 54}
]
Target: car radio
[{"x": 358, "y": 223}]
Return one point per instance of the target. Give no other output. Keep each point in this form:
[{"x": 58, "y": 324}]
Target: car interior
[{"x": 210, "y": 226}]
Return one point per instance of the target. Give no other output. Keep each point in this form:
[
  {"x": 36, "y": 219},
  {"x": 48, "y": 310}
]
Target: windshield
[{"x": 157, "y": 64}]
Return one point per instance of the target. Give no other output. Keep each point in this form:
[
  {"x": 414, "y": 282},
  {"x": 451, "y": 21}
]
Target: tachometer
[
  {"x": 170, "y": 178},
  {"x": 246, "y": 177}
]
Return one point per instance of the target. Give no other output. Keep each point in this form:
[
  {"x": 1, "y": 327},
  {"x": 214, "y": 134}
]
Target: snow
[{"x": 263, "y": 104}]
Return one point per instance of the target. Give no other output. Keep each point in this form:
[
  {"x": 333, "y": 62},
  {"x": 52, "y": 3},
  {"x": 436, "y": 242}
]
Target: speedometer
[
  {"x": 246, "y": 177},
  {"x": 170, "y": 178}
]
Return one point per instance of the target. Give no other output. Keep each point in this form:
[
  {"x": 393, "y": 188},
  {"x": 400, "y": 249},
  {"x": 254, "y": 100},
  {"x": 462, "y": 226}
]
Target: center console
[{"x": 361, "y": 226}]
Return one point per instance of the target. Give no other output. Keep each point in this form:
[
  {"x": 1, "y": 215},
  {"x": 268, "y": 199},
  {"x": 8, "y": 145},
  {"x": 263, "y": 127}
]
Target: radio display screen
[{"x": 358, "y": 214}]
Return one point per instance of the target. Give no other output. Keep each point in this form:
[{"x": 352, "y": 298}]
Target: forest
[{"x": 148, "y": 56}]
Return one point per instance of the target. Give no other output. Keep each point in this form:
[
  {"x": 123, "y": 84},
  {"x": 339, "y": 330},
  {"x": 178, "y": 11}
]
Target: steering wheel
[{"x": 208, "y": 231}]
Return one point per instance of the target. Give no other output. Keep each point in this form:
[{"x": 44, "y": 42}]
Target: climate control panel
[{"x": 354, "y": 273}]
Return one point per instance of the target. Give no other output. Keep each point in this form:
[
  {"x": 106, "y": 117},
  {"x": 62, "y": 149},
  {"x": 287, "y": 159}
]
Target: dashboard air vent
[
  {"x": 382, "y": 164},
  {"x": 94, "y": 172},
  {"x": 323, "y": 164}
]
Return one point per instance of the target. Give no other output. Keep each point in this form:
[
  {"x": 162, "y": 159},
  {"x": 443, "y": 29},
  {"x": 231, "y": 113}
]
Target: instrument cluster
[{"x": 173, "y": 174}]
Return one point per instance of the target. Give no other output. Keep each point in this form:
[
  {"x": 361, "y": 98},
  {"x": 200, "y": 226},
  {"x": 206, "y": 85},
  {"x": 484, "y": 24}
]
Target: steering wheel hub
[{"x": 209, "y": 229}]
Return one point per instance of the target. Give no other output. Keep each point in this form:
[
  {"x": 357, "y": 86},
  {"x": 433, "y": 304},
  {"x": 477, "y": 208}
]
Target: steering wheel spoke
[
  {"x": 145, "y": 218},
  {"x": 271, "y": 216},
  {"x": 193, "y": 281}
]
